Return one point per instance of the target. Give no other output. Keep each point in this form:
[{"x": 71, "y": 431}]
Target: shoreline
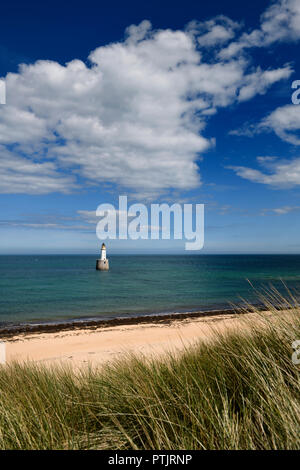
[
  {"x": 93, "y": 324},
  {"x": 101, "y": 344}
]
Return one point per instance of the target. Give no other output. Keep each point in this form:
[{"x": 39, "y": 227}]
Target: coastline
[
  {"x": 94, "y": 323},
  {"x": 95, "y": 345}
]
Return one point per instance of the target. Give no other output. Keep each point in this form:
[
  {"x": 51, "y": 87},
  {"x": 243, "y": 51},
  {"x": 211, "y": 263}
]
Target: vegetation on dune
[{"x": 240, "y": 391}]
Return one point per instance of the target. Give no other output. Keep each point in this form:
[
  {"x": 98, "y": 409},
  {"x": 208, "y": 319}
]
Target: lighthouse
[{"x": 102, "y": 264}]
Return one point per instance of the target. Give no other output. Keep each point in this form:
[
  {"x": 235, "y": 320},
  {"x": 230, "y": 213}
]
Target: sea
[{"x": 56, "y": 288}]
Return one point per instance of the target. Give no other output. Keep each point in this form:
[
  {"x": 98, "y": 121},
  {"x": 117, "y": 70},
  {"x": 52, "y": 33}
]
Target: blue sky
[{"x": 164, "y": 102}]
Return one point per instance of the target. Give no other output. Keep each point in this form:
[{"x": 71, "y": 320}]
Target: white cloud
[
  {"x": 135, "y": 116},
  {"x": 280, "y": 22},
  {"x": 259, "y": 81},
  {"x": 138, "y": 32},
  {"x": 281, "y": 174},
  {"x": 21, "y": 175},
  {"x": 281, "y": 210},
  {"x": 83, "y": 221},
  {"x": 20, "y": 125},
  {"x": 214, "y": 32},
  {"x": 284, "y": 121}
]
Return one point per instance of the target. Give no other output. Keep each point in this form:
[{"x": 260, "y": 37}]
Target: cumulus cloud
[
  {"x": 134, "y": 115},
  {"x": 280, "y": 22},
  {"x": 280, "y": 174}
]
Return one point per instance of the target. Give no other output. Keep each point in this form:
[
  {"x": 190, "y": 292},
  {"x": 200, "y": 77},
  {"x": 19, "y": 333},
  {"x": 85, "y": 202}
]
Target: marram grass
[{"x": 239, "y": 391}]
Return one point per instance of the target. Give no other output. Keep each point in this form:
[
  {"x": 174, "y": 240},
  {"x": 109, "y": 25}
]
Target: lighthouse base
[{"x": 102, "y": 265}]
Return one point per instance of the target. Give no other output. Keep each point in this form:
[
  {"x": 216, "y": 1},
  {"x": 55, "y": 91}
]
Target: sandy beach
[{"x": 98, "y": 345}]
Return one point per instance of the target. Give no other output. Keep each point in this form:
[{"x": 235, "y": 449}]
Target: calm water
[{"x": 51, "y": 288}]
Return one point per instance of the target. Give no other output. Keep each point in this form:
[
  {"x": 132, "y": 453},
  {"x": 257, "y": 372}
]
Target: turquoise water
[{"x": 52, "y": 288}]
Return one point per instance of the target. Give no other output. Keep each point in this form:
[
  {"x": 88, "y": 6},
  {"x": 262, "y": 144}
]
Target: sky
[{"x": 162, "y": 101}]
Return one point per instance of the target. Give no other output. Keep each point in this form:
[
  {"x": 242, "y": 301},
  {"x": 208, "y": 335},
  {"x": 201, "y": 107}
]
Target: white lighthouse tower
[
  {"x": 102, "y": 264},
  {"x": 103, "y": 252}
]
